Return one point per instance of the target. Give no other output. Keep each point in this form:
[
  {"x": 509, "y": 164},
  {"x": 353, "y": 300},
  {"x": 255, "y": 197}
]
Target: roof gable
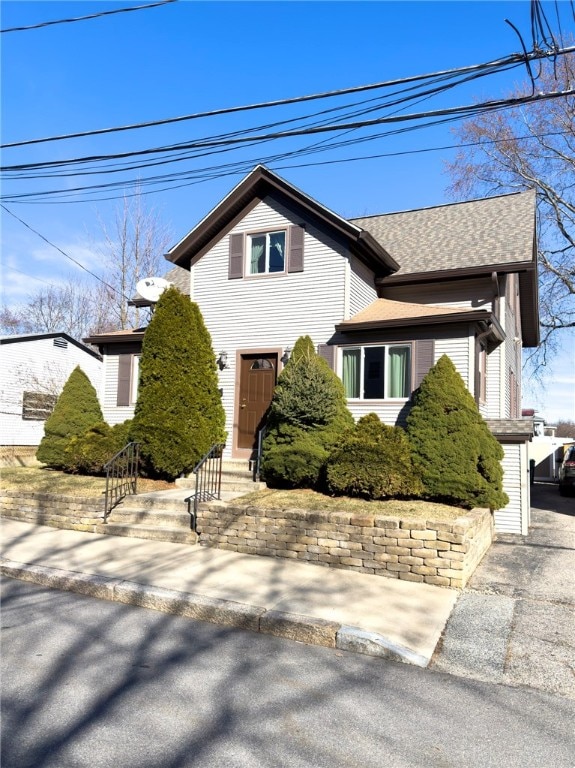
[
  {"x": 260, "y": 183},
  {"x": 25, "y": 337}
]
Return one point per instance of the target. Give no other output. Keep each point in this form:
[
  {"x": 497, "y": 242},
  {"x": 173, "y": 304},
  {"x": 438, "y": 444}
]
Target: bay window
[{"x": 377, "y": 372}]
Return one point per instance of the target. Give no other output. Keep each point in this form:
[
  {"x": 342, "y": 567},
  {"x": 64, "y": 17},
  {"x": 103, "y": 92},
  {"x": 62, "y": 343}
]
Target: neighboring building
[
  {"x": 545, "y": 451},
  {"x": 383, "y": 297},
  {"x": 33, "y": 370}
]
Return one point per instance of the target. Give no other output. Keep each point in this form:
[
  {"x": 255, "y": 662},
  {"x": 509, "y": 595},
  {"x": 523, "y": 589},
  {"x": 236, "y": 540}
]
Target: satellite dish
[{"x": 151, "y": 288}]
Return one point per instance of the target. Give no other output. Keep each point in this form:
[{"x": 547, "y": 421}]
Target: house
[
  {"x": 33, "y": 370},
  {"x": 383, "y": 297},
  {"x": 545, "y": 451}
]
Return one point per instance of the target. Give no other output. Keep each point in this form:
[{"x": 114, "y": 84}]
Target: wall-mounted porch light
[
  {"x": 286, "y": 355},
  {"x": 222, "y": 360}
]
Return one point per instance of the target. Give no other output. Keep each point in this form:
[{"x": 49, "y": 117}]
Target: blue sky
[{"x": 188, "y": 57}]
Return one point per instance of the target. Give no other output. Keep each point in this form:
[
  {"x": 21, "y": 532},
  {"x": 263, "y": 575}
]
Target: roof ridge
[{"x": 442, "y": 205}]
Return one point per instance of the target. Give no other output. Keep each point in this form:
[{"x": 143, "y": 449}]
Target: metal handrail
[
  {"x": 121, "y": 476},
  {"x": 259, "y": 454},
  {"x": 208, "y": 472}
]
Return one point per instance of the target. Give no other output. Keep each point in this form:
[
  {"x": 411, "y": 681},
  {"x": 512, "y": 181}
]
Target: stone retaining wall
[
  {"x": 18, "y": 456},
  {"x": 438, "y": 552},
  {"x": 73, "y": 512}
]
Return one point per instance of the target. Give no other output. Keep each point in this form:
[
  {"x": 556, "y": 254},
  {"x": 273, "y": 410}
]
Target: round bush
[
  {"x": 373, "y": 461},
  {"x": 88, "y": 453}
]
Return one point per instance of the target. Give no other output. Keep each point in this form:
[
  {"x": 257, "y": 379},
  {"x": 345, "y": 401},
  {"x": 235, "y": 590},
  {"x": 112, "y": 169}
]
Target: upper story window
[
  {"x": 377, "y": 372},
  {"x": 279, "y": 251},
  {"x": 266, "y": 253}
]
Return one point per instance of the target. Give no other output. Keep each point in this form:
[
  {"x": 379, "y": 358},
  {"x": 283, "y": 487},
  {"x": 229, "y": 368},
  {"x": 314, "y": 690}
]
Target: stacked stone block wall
[
  {"x": 73, "y": 512},
  {"x": 438, "y": 552}
]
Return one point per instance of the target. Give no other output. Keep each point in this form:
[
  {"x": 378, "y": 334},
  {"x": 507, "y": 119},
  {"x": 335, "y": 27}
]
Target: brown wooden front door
[{"x": 258, "y": 374}]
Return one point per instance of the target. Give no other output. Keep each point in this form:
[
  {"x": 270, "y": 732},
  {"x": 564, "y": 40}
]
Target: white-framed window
[
  {"x": 266, "y": 253},
  {"x": 381, "y": 372},
  {"x": 135, "y": 379}
]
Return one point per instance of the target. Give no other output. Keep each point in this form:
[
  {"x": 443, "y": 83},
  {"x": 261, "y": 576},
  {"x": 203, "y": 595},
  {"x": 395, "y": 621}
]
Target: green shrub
[
  {"x": 308, "y": 411},
  {"x": 86, "y": 454},
  {"x": 179, "y": 414},
  {"x": 76, "y": 410},
  {"x": 456, "y": 455},
  {"x": 297, "y": 464},
  {"x": 373, "y": 461}
]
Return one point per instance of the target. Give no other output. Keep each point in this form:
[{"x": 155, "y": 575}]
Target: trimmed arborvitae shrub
[
  {"x": 454, "y": 452},
  {"x": 308, "y": 415},
  {"x": 179, "y": 414},
  {"x": 373, "y": 461},
  {"x": 76, "y": 410},
  {"x": 88, "y": 453}
]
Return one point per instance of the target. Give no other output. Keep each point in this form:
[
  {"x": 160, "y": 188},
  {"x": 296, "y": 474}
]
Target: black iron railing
[
  {"x": 208, "y": 474},
  {"x": 121, "y": 476},
  {"x": 259, "y": 453}
]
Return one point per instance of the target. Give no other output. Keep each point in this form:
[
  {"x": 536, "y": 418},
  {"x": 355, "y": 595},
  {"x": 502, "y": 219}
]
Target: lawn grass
[
  {"x": 43, "y": 480},
  {"x": 306, "y": 499}
]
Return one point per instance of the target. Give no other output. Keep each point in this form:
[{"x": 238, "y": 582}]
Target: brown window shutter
[
  {"x": 424, "y": 354},
  {"x": 236, "y": 264},
  {"x": 295, "y": 255},
  {"x": 124, "y": 379},
  {"x": 327, "y": 351}
]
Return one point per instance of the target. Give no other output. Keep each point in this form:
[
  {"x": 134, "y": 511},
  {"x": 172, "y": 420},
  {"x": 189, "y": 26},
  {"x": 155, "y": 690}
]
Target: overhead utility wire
[
  {"x": 460, "y": 111},
  {"x": 21, "y": 171},
  {"x": 71, "y": 258},
  {"x": 516, "y": 58},
  {"x": 43, "y": 24}
]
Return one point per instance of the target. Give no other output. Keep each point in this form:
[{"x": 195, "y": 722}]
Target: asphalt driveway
[{"x": 515, "y": 622}]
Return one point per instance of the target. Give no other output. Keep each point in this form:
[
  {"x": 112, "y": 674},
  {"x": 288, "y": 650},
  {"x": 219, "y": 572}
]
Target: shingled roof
[{"x": 478, "y": 233}]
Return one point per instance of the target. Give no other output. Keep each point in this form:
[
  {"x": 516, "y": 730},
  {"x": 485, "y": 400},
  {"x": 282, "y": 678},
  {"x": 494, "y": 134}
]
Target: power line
[
  {"x": 452, "y": 113},
  {"x": 43, "y": 24},
  {"x": 511, "y": 60},
  {"x": 71, "y": 258}
]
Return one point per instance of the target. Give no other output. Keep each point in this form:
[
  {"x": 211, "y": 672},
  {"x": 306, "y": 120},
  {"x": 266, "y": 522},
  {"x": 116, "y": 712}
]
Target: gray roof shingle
[{"x": 477, "y": 233}]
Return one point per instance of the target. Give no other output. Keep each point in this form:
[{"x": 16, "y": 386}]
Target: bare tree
[
  {"x": 74, "y": 307},
  {"x": 532, "y": 147},
  {"x": 565, "y": 428},
  {"x": 133, "y": 249}
]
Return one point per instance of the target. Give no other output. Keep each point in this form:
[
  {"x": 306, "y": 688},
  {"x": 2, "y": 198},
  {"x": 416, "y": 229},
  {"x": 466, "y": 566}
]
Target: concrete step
[
  {"x": 179, "y": 519},
  {"x": 149, "y": 532}
]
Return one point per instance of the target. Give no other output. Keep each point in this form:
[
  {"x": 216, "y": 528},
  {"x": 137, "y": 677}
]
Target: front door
[{"x": 258, "y": 374}]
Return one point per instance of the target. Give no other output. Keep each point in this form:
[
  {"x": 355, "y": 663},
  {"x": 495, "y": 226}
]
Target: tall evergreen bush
[
  {"x": 76, "y": 410},
  {"x": 179, "y": 414},
  {"x": 308, "y": 415},
  {"x": 456, "y": 455}
]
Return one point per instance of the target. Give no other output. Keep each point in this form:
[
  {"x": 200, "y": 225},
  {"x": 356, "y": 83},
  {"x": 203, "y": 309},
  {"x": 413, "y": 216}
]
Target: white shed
[{"x": 33, "y": 371}]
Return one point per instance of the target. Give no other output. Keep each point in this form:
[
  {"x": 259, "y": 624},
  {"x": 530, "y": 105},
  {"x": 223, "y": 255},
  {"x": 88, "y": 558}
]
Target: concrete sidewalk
[
  {"x": 335, "y": 608},
  {"x": 514, "y": 623}
]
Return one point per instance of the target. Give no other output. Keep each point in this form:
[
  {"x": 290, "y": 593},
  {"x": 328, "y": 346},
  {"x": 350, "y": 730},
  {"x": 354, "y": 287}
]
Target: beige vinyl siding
[
  {"x": 362, "y": 287},
  {"x": 493, "y": 384},
  {"x": 476, "y": 294},
  {"x": 514, "y": 518},
  {"x": 269, "y": 312},
  {"x": 36, "y": 365},
  {"x": 459, "y": 349}
]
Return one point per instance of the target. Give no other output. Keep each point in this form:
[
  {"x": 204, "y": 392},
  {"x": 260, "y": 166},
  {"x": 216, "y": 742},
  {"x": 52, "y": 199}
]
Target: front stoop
[
  {"x": 237, "y": 480},
  {"x": 150, "y": 517},
  {"x": 146, "y": 518}
]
